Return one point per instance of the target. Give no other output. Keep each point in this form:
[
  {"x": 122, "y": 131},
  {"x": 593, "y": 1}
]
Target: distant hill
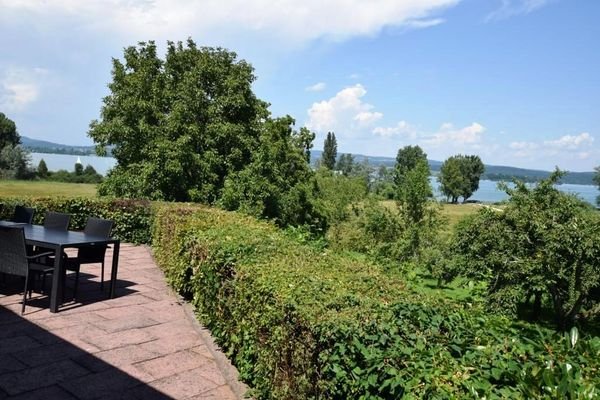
[
  {"x": 492, "y": 172},
  {"x": 42, "y": 146}
]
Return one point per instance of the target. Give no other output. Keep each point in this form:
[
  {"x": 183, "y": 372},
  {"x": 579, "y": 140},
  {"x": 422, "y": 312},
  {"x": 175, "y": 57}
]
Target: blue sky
[{"x": 514, "y": 81}]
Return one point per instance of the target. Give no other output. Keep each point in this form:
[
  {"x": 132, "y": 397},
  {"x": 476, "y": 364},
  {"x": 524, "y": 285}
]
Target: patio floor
[{"x": 142, "y": 344}]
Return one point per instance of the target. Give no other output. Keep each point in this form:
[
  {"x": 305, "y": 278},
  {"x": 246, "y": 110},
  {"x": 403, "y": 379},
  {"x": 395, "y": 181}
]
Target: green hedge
[
  {"x": 133, "y": 218},
  {"x": 300, "y": 323}
]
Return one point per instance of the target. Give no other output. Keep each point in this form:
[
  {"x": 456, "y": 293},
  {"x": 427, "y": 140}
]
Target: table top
[{"x": 39, "y": 235}]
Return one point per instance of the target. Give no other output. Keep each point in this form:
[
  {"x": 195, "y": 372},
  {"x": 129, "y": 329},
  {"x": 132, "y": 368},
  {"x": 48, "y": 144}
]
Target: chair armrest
[{"x": 40, "y": 255}]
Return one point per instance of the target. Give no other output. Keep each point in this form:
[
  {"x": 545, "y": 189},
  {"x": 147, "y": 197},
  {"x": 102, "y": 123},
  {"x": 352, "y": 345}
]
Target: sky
[{"x": 516, "y": 82}]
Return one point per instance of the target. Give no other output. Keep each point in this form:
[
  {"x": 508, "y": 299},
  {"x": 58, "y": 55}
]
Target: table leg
[
  {"x": 57, "y": 289},
  {"x": 115, "y": 267}
]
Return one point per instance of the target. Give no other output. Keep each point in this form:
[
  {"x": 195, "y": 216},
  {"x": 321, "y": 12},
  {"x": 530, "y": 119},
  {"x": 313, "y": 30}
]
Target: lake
[{"x": 487, "y": 189}]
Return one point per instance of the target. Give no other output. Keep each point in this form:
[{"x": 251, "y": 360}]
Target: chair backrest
[
  {"x": 13, "y": 259},
  {"x": 58, "y": 221},
  {"x": 97, "y": 227},
  {"x": 23, "y": 214}
]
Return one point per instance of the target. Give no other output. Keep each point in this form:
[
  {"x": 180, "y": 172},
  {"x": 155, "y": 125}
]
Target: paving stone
[
  {"x": 119, "y": 339},
  {"x": 48, "y": 354},
  {"x": 123, "y": 324},
  {"x": 172, "y": 364},
  {"x": 127, "y": 355},
  {"x": 8, "y": 363},
  {"x": 109, "y": 383},
  {"x": 17, "y": 343},
  {"x": 45, "y": 375},
  {"x": 183, "y": 385},
  {"x": 48, "y": 393},
  {"x": 220, "y": 393}
]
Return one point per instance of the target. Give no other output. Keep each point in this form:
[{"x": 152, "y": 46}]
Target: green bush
[
  {"x": 133, "y": 218},
  {"x": 300, "y": 322}
]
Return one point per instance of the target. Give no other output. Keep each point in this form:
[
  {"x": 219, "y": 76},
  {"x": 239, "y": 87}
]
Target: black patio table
[{"x": 56, "y": 240}]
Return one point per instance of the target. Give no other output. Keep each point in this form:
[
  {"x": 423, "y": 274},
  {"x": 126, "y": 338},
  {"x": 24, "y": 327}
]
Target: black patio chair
[
  {"x": 14, "y": 259},
  {"x": 56, "y": 221},
  {"x": 23, "y": 215},
  {"x": 90, "y": 254}
]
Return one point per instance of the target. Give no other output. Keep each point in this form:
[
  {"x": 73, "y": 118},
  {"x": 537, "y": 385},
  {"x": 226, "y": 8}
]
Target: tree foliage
[
  {"x": 406, "y": 160},
  {"x": 13, "y": 159},
  {"x": 278, "y": 182},
  {"x": 78, "y": 175},
  {"x": 14, "y": 162},
  {"x": 383, "y": 183},
  {"x": 597, "y": 180},
  {"x": 544, "y": 244},
  {"x": 329, "y": 151},
  {"x": 42, "y": 169},
  {"x": 179, "y": 126},
  {"x": 8, "y": 132},
  {"x": 303, "y": 139},
  {"x": 345, "y": 164},
  {"x": 459, "y": 176}
]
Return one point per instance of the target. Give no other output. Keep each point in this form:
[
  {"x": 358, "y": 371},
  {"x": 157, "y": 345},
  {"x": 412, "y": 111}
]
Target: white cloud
[
  {"x": 317, "y": 87},
  {"x": 511, "y": 8},
  {"x": 523, "y": 145},
  {"x": 402, "y": 129},
  {"x": 448, "y": 134},
  {"x": 570, "y": 142},
  {"x": 345, "y": 113},
  {"x": 289, "y": 20},
  {"x": 561, "y": 151},
  {"x": 367, "y": 117},
  {"x": 19, "y": 87},
  {"x": 424, "y": 23}
]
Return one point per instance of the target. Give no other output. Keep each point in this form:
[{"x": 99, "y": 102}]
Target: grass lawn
[
  {"x": 452, "y": 212},
  {"x": 46, "y": 188},
  {"x": 456, "y": 212}
]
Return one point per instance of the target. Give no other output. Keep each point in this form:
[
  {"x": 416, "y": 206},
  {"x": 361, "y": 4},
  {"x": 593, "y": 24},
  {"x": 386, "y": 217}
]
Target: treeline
[
  {"x": 61, "y": 150},
  {"x": 78, "y": 175}
]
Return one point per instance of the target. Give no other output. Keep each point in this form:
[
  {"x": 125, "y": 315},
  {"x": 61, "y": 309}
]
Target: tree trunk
[{"x": 537, "y": 306}]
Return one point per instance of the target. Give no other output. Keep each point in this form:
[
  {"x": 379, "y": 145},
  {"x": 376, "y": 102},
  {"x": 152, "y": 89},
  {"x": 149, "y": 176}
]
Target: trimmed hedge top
[{"x": 132, "y": 218}]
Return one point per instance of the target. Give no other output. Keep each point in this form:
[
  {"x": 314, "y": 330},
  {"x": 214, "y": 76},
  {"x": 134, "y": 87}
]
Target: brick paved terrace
[{"x": 143, "y": 344}]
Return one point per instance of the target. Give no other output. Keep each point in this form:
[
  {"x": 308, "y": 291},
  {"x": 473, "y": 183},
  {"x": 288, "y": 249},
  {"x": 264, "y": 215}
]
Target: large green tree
[
  {"x": 8, "y": 132},
  {"x": 543, "y": 244},
  {"x": 329, "y": 151},
  {"x": 459, "y": 176},
  {"x": 179, "y": 126},
  {"x": 413, "y": 192}
]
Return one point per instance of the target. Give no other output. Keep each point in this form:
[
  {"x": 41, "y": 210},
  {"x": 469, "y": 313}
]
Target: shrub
[
  {"x": 133, "y": 218},
  {"x": 302, "y": 323},
  {"x": 544, "y": 244}
]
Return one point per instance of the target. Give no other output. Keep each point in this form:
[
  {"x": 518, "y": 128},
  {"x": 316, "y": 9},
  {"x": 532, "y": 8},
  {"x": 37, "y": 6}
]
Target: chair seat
[{"x": 41, "y": 268}]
